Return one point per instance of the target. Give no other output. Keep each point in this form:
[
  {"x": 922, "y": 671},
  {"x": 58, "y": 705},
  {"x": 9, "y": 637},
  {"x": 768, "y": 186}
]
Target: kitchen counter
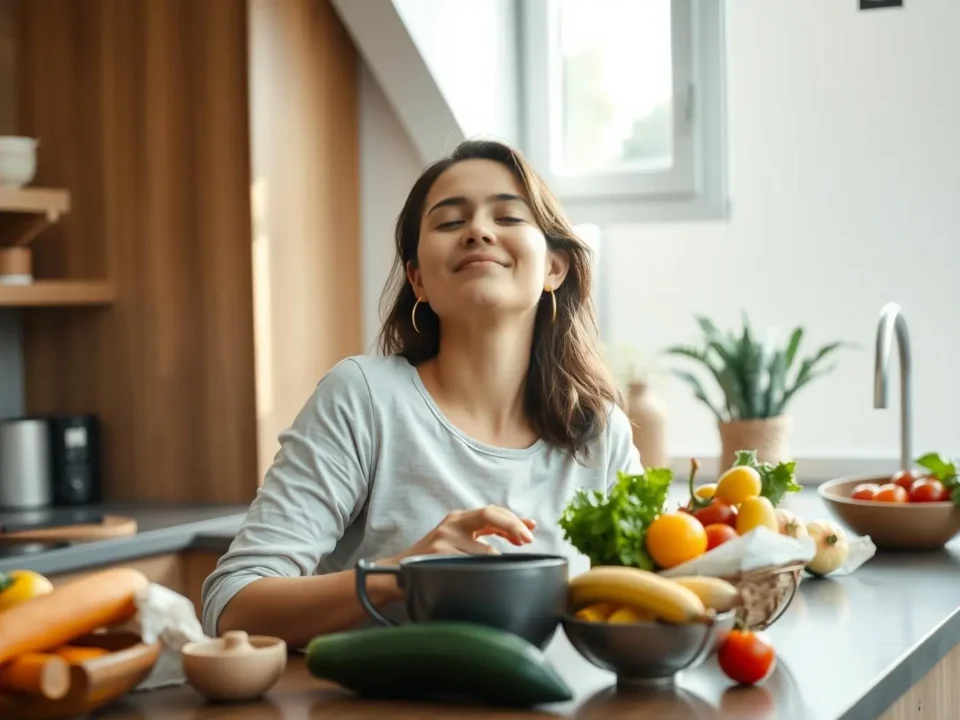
[
  {"x": 848, "y": 647},
  {"x": 160, "y": 529}
]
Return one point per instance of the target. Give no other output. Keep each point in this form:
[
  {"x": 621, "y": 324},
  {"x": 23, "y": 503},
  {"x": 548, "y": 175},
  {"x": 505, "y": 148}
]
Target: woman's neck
[{"x": 479, "y": 377}]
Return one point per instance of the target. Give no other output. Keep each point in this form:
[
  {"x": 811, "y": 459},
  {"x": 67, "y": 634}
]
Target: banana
[
  {"x": 715, "y": 593},
  {"x": 667, "y": 600}
]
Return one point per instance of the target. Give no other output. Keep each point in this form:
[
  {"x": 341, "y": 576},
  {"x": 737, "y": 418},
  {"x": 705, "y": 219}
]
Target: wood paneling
[
  {"x": 183, "y": 573},
  {"x": 304, "y": 110},
  {"x": 141, "y": 108},
  {"x": 8, "y": 112}
]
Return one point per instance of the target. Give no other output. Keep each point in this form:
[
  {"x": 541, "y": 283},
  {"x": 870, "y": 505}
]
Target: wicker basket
[{"x": 766, "y": 594}]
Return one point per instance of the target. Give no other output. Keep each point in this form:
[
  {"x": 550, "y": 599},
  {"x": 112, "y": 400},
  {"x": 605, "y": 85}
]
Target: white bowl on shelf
[{"x": 18, "y": 160}]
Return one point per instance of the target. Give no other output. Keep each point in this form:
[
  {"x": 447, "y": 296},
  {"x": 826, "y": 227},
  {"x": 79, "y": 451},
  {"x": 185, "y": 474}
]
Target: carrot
[
  {"x": 77, "y": 654},
  {"x": 36, "y": 674},
  {"x": 95, "y": 601}
]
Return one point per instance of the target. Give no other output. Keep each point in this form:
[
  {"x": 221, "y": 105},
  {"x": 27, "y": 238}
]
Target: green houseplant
[{"x": 757, "y": 378}]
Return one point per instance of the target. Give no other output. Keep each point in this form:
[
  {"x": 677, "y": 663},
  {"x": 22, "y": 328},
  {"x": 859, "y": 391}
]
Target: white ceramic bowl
[{"x": 18, "y": 160}]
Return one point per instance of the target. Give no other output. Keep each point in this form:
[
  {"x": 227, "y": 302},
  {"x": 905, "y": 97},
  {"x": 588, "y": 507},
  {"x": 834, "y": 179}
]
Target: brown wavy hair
[{"x": 568, "y": 389}]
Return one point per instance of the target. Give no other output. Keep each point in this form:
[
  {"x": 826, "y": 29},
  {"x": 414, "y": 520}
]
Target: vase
[
  {"x": 648, "y": 413},
  {"x": 769, "y": 437}
]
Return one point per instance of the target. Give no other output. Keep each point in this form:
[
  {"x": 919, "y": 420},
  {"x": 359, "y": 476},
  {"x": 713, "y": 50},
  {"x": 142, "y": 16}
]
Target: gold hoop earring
[
  {"x": 413, "y": 315},
  {"x": 553, "y": 304}
]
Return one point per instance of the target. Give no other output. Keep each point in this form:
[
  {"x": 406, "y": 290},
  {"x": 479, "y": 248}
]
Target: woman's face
[{"x": 480, "y": 246}]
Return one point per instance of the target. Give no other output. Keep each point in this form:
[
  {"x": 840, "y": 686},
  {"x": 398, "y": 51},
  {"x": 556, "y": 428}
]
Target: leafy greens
[
  {"x": 611, "y": 529},
  {"x": 776, "y": 480},
  {"x": 944, "y": 470}
]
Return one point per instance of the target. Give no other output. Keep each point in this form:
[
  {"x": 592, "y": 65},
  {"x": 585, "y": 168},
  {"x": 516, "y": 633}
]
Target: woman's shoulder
[{"x": 363, "y": 375}]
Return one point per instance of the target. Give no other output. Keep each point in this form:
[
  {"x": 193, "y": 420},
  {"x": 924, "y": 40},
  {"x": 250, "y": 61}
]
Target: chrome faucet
[{"x": 891, "y": 319}]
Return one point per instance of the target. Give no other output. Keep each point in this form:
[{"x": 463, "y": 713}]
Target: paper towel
[{"x": 170, "y": 618}]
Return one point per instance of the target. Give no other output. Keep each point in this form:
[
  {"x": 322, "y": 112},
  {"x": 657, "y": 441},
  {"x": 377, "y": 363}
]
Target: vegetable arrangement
[{"x": 630, "y": 526}]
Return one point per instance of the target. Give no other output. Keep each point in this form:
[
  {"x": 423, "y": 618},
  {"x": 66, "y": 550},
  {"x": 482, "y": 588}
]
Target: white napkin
[{"x": 171, "y": 618}]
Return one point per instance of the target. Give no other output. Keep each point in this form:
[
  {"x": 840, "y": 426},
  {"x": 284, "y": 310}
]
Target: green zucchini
[{"x": 438, "y": 660}]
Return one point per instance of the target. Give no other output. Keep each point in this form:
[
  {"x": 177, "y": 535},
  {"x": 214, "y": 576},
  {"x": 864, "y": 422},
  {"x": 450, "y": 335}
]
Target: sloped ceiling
[
  {"x": 448, "y": 68},
  {"x": 388, "y": 48}
]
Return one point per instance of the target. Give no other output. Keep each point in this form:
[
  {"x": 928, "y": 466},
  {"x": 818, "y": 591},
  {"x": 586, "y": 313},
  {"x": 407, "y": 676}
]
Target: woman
[{"x": 489, "y": 408}]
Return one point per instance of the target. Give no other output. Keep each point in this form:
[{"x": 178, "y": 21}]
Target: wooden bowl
[
  {"x": 93, "y": 683},
  {"x": 891, "y": 526}
]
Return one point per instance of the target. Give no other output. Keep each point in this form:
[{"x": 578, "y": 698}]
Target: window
[{"x": 623, "y": 105}]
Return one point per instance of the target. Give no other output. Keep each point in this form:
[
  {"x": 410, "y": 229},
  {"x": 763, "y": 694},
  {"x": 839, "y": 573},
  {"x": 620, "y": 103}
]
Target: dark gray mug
[{"x": 522, "y": 593}]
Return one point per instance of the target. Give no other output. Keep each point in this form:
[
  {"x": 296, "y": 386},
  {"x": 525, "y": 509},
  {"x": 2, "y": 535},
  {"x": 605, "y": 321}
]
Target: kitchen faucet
[{"x": 891, "y": 319}]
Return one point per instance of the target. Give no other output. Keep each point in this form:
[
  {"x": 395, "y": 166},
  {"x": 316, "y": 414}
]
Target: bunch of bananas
[{"x": 627, "y": 594}]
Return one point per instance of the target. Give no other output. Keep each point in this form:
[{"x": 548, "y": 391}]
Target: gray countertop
[
  {"x": 852, "y": 644},
  {"x": 160, "y": 529}
]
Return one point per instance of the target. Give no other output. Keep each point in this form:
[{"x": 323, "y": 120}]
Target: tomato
[
  {"x": 926, "y": 490},
  {"x": 18, "y": 586},
  {"x": 891, "y": 493},
  {"x": 865, "y": 491},
  {"x": 675, "y": 538},
  {"x": 718, "y": 534},
  {"x": 717, "y": 512},
  {"x": 747, "y": 657},
  {"x": 904, "y": 478}
]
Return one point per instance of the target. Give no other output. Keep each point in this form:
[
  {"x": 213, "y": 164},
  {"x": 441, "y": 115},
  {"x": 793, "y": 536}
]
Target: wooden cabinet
[
  {"x": 212, "y": 319},
  {"x": 183, "y": 573}
]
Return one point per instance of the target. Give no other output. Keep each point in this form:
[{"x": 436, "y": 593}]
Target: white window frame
[{"x": 694, "y": 188}]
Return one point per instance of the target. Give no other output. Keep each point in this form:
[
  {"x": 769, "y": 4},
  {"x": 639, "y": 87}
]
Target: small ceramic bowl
[
  {"x": 235, "y": 667},
  {"x": 891, "y": 526}
]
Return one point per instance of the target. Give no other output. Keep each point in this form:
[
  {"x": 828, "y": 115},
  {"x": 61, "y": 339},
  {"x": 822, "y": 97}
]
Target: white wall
[
  {"x": 389, "y": 165},
  {"x": 844, "y": 175}
]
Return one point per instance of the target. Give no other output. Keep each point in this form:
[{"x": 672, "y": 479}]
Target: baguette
[
  {"x": 98, "y": 600},
  {"x": 37, "y": 674}
]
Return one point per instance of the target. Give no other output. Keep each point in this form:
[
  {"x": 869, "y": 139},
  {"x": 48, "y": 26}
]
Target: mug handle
[{"x": 365, "y": 568}]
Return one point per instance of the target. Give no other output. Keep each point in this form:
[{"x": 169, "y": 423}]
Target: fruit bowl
[
  {"x": 645, "y": 653},
  {"x": 891, "y": 526}
]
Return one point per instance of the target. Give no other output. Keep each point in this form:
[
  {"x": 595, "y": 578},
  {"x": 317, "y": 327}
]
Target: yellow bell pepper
[{"x": 18, "y": 586}]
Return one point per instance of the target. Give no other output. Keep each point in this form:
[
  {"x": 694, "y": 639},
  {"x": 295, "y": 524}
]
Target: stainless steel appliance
[{"x": 26, "y": 479}]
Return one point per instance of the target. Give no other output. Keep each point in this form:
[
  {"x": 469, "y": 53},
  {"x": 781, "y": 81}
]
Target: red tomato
[
  {"x": 716, "y": 513},
  {"x": 865, "y": 491},
  {"x": 747, "y": 657},
  {"x": 891, "y": 493},
  {"x": 926, "y": 490},
  {"x": 904, "y": 478},
  {"x": 718, "y": 534}
]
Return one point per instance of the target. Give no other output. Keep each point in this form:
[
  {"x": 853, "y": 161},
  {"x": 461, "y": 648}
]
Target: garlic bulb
[
  {"x": 832, "y": 547},
  {"x": 790, "y": 524}
]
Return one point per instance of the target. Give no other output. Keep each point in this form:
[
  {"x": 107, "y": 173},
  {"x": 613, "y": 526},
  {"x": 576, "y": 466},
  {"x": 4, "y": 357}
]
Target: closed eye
[
  {"x": 450, "y": 225},
  {"x": 510, "y": 220}
]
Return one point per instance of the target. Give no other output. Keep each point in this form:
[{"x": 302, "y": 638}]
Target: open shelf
[
  {"x": 58, "y": 293},
  {"x": 27, "y": 212}
]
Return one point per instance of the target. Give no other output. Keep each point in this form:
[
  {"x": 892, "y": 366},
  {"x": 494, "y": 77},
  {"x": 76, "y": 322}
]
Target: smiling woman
[{"x": 488, "y": 409}]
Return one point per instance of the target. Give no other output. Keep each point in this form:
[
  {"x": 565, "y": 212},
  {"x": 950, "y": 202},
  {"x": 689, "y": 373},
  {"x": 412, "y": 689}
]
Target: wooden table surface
[{"x": 701, "y": 693}]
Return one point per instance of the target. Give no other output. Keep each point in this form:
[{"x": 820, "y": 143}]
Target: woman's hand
[{"x": 458, "y": 532}]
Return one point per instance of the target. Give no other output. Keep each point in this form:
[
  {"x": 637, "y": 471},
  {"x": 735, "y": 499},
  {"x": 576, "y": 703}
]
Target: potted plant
[{"x": 757, "y": 378}]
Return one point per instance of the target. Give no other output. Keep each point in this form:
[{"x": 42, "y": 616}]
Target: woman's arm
[{"x": 313, "y": 491}]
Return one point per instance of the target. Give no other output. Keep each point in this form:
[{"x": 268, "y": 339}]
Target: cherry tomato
[
  {"x": 904, "y": 478},
  {"x": 716, "y": 513},
  {"x": 718, "y": 534},
  {"x": 926, "y": 490},
  {"x": 891, "y": 493},
  {"x": 747, "y": 657},
  {"x": 865, "y": 491}
]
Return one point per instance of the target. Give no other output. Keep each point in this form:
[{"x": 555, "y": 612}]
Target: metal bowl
[{"x": 646, "y": 653}]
